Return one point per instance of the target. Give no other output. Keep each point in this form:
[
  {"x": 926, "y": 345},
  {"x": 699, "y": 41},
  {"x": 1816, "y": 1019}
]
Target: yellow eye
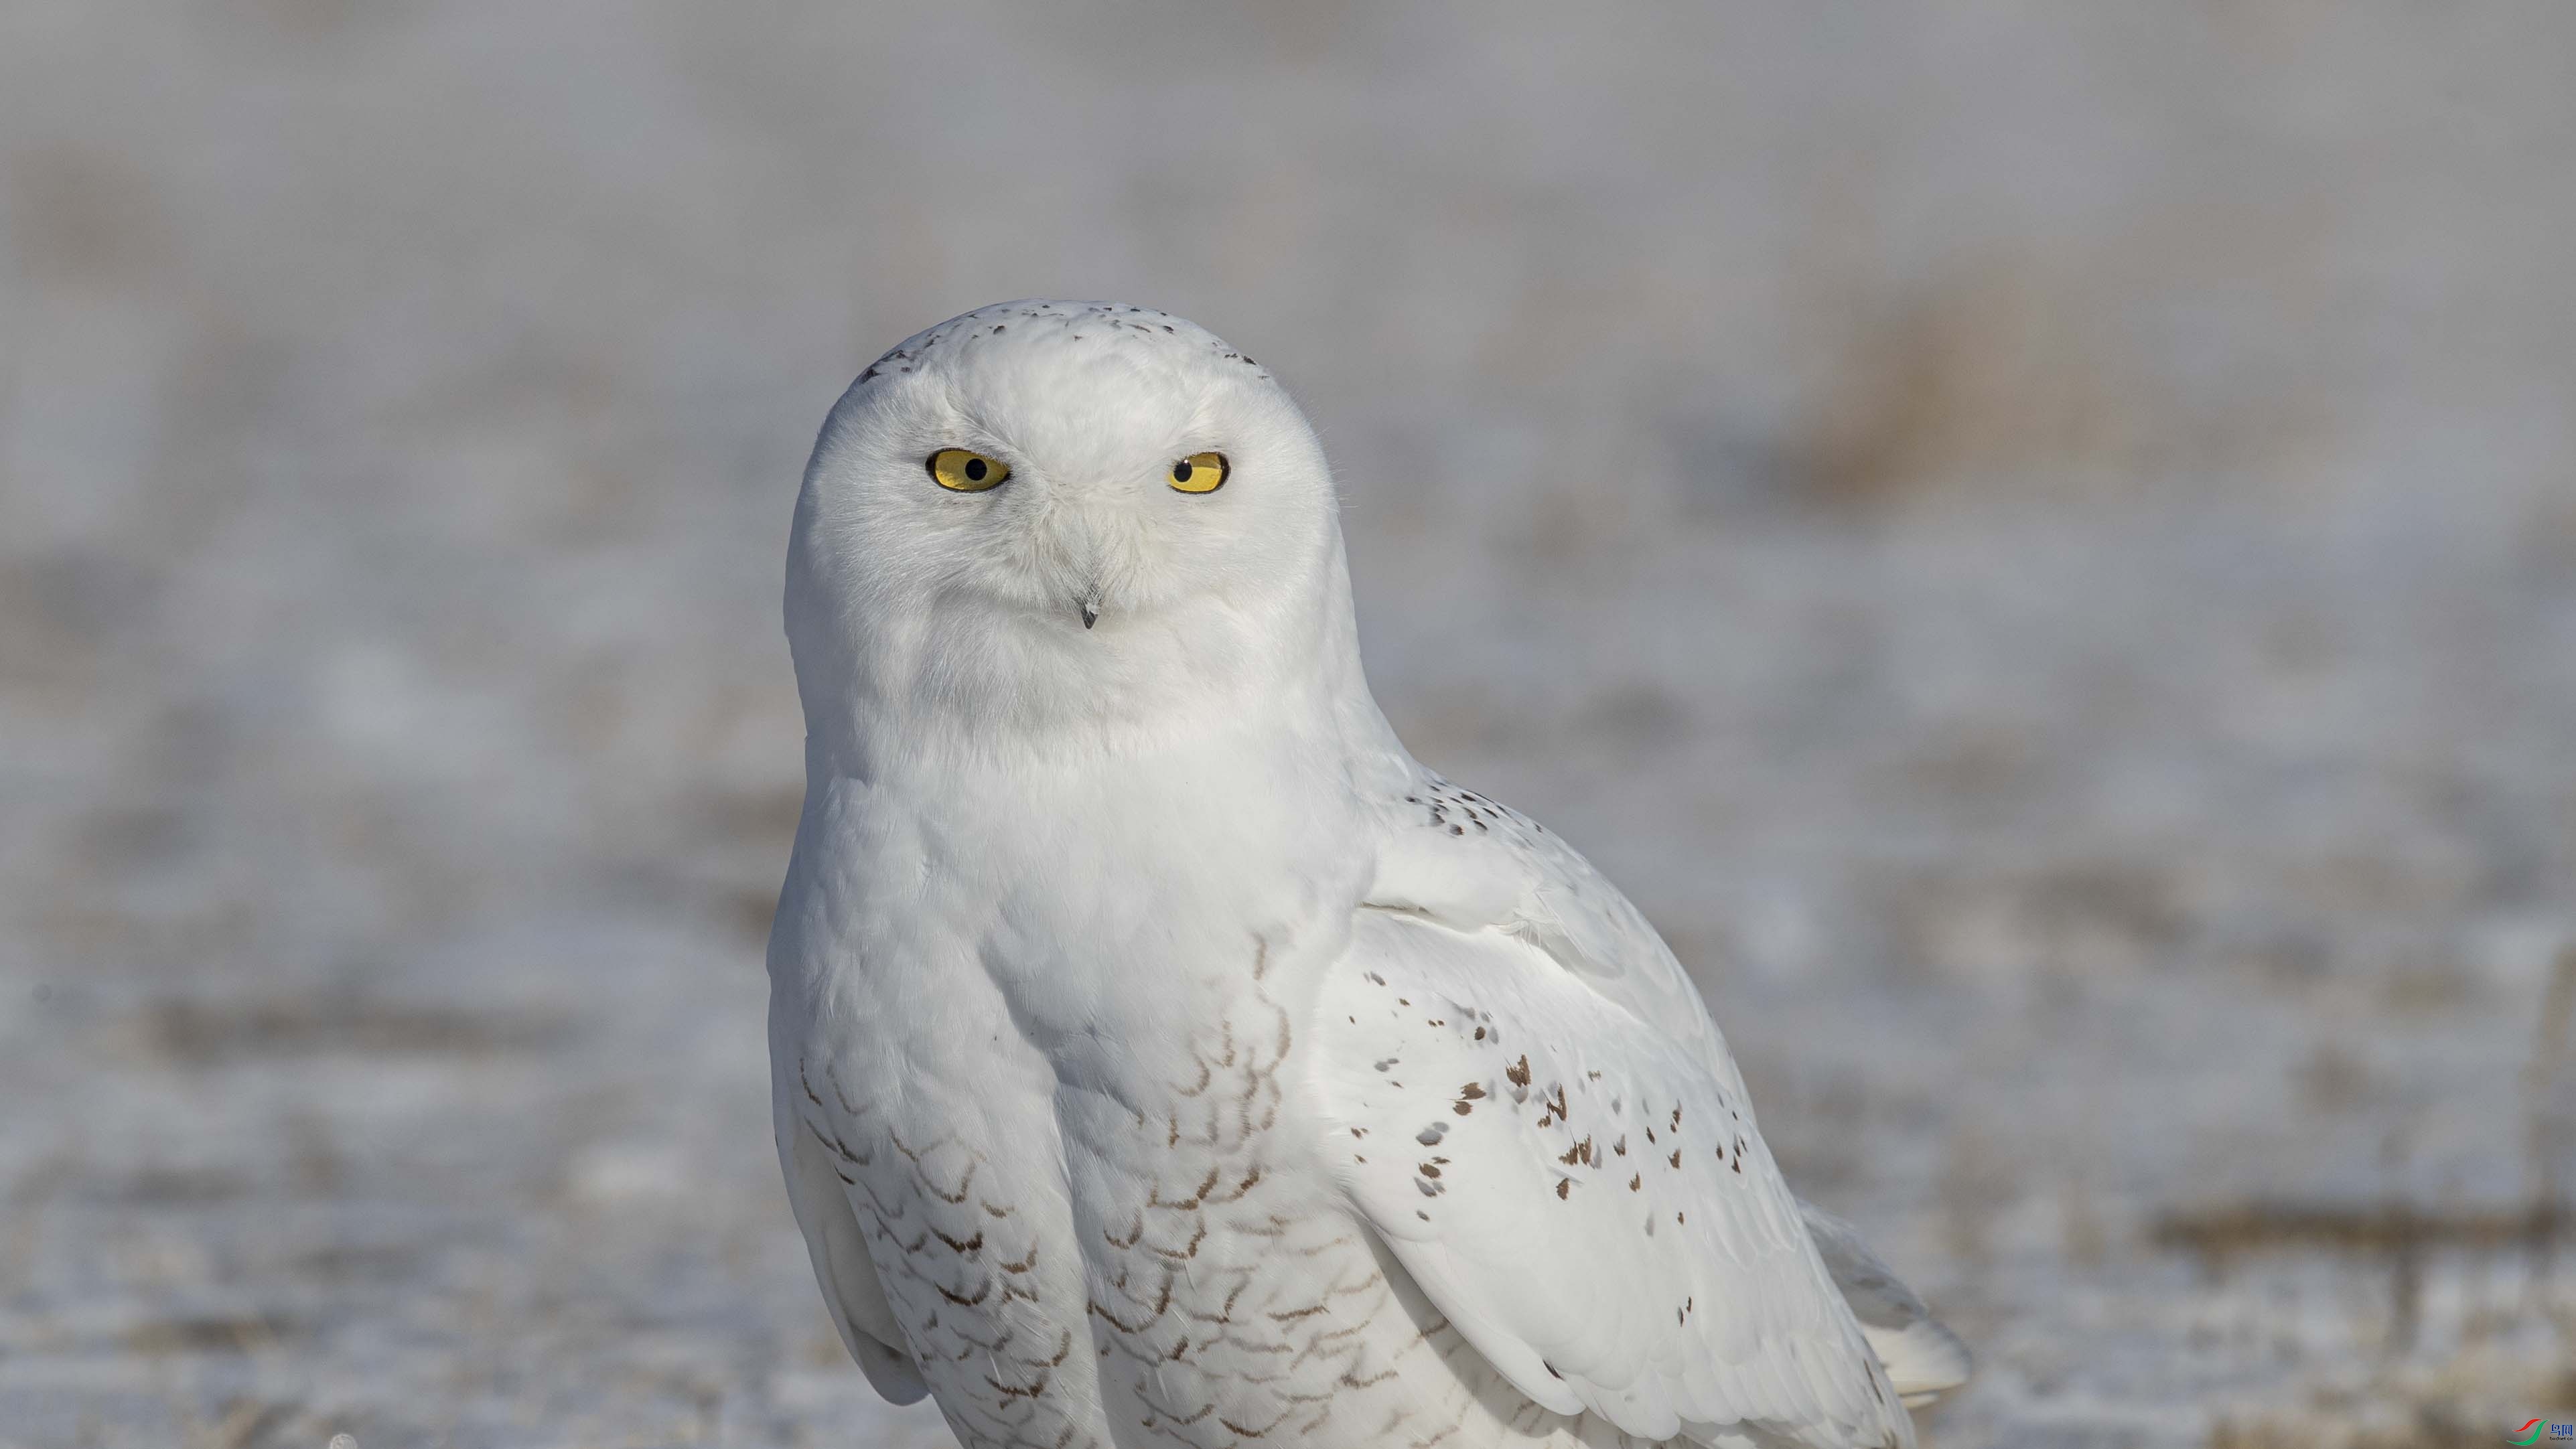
[
  {"x": 959, "y": 471},
  {"x": 1199, "y": 473}
]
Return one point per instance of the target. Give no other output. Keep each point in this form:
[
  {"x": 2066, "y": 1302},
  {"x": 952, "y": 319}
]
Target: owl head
[{"x": 1043, "y": 515}]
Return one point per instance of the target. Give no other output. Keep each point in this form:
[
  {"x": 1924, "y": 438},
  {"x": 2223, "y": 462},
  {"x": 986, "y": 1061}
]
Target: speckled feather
[{"x": 1161, "y": 1055}]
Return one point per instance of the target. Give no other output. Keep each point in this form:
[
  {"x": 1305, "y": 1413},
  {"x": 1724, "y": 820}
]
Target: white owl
[{"x": 1162, "y": 1056}]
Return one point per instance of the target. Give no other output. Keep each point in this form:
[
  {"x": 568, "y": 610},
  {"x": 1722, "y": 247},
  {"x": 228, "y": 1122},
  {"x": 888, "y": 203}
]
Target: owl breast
[{"x": 1161, "y": 1264}]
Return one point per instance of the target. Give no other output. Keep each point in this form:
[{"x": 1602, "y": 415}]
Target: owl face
[{"x": 1040, "y": 492}]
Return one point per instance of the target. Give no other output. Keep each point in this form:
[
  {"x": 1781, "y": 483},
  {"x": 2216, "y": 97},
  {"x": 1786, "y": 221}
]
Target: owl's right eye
[{"x": 960, "y": 471}]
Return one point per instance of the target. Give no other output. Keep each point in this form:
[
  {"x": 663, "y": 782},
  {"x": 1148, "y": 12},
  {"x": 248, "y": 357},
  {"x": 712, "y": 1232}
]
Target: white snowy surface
[{"x": 2086, "y": 497}]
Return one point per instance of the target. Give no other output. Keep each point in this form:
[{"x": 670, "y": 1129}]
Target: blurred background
[{"x": 2038, "y": 542}]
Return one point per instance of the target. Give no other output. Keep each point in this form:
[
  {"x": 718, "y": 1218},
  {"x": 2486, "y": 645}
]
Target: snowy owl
[{"x": 1161, "y": 1056}]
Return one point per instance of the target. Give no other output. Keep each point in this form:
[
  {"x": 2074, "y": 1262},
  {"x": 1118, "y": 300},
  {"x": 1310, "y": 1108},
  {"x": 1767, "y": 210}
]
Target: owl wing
[
  {"x": 1528, "y": 1101},
  {"x": 820, "y": 1195}
]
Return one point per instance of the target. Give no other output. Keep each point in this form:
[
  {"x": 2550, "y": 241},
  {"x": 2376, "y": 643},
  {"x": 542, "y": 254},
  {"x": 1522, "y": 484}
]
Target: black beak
[{"x": 1090, "y": 613}]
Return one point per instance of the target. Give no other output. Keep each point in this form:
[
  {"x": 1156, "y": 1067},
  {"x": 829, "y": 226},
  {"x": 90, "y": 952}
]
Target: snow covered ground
[{"x": 2038, "y": 542}]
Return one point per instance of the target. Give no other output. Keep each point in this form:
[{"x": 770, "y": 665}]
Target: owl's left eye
[
  {"x": 1200, "y": 473},
  {"x": 960, "y": 471}
]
